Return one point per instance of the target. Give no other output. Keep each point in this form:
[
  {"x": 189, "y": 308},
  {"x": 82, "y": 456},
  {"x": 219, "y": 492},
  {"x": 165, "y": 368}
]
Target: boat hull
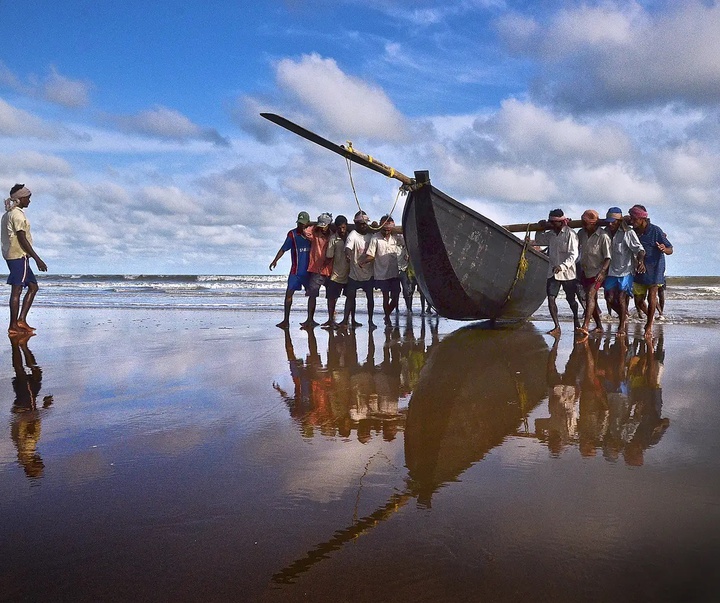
[{"x": 467, "y": 266}]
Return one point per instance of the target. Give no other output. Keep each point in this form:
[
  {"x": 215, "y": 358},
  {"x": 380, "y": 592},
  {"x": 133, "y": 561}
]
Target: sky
[{"x": 136, "y": 124}]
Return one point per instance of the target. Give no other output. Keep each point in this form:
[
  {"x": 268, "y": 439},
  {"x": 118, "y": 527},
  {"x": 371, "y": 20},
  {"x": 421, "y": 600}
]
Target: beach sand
[{"x": 178, "y": 455}]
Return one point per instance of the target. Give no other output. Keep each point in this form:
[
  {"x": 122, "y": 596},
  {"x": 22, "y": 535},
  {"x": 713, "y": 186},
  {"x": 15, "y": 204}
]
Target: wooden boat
[{"x": 469, "y": 267}]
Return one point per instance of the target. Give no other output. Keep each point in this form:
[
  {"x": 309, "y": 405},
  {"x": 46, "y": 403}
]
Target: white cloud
[
  {"x": 621, "y": 54},
  {"x": 18, "y": 123},
  {"x": 529, "y": 129},
  {"x": 169, "y": 124},
  {"x": 55, "y": 88},
  {"x": 32, "y": 162},
  {"x": 64, "y": 91},
  {"x": 345, "y": 103},
  {"x": 615, "y": 184}
]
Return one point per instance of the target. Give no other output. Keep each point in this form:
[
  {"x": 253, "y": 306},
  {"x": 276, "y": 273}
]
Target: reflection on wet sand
[
  {"x": 608, "y": 398},
  {"x": 347, "y": 395},
  {"x": 25, "y": 426},
  {"x": 476, "y": 388}
]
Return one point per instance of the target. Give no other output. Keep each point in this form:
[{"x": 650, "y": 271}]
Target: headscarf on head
[
  {"x": 557, "y": 215},
  {"x": 361, "y": 217},
  {"x": 590, "y": 216},
  {"x": 13, "y": 199},
  {"x": 638, "y": 212}
]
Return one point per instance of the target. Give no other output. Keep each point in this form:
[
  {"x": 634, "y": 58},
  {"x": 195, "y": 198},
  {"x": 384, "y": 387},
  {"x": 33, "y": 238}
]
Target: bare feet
[
  {"x": 555, "y": 331},
  {"x": 356, "y": 324},
  {"x": 283, "y": 325},
  {"x": 308, "y": 324},
  {"x": 25, "y": 326},
  {"x": 582, "y": 331},
  {"x": 598, "y": 329}
]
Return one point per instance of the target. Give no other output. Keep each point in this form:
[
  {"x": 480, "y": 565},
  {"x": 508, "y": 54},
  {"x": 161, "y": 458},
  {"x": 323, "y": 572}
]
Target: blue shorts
[
  {"x": 20, "y": 272},
  {"x": 624, "y": 283},
  {"x": 298, "y": 281}
]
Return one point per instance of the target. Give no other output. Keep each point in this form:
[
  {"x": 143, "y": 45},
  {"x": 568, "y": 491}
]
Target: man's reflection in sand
[
  {"x": 560, "y": 428},
  {"x": 25, "y": 425},
  {"x": 617, "y": 387},
  {"x": 348, "y": 394}
]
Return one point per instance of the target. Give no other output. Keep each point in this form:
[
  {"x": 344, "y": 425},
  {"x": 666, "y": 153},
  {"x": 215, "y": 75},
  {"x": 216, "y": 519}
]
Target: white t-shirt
[
  {"x": 358, "y": 245},
  {"x": 386, "y": 252}
]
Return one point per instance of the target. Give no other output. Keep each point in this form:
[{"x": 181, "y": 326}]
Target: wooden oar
[
  {"x": 348, "y": 152},
  {"x": 370, "y": 162}
]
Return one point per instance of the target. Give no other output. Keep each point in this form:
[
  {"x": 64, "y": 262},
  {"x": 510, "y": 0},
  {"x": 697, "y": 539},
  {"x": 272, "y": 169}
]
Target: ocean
[{"x": 689, "y": 300}]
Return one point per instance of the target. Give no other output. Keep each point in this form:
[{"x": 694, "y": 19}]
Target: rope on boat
[
  {"x": 522, "y": 265},
  {"x": 402, "y": 190}
]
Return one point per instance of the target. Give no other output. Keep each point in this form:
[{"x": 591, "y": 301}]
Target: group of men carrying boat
[
  {"x": 625, "y": 256},
  {"x": 347, "y": 260}
]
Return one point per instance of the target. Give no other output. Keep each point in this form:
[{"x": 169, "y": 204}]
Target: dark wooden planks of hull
[{"x": 466, "y": 264}]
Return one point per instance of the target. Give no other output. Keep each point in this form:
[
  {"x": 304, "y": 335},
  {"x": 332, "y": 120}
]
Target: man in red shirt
[{"x": 319, "y": 268}]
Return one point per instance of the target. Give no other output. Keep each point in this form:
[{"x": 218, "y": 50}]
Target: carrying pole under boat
[
  {"x": 535, "y": 226},
  {"x": 348, "y": 151}
]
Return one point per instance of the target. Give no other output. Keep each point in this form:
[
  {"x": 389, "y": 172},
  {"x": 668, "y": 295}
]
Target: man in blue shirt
[
  {"x": 299, "y": 246},
  {"x": 648, "y": 281}
]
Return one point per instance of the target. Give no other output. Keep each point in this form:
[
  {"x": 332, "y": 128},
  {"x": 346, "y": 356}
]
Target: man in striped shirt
[{"x": 299, "y": 246}]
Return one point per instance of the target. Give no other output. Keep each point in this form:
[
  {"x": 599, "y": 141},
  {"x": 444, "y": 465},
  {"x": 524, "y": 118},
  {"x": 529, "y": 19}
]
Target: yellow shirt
[{"x": 12, "y": 222}]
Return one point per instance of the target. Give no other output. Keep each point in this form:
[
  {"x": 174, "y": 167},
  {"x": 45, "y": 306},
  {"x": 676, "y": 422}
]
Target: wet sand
[{"x": 208, "y": 456}]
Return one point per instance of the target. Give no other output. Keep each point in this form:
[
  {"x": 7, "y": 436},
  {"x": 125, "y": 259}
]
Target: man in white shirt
[
  {"x": 626, "y": 255},
  {"x": 17, "y": 250},
  {"x": 562, "y": 244},
  {"x": 361, "y": 271},
  {"x": 385, "y": 247}
]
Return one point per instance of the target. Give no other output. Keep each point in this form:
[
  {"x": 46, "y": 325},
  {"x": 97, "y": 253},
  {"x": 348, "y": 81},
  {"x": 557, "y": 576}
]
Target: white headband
[
  {"x": 13, "y": 199},
  {"x": 21, "y": 193}
]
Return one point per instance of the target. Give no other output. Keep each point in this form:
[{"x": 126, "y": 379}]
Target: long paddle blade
[{"x": 349, "y": 153}]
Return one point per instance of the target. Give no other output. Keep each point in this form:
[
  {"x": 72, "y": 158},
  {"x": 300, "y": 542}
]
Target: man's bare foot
[
  {"x": 283, "y": 325},
  {"x": 598, "y": 329},
  {"x": 555, "y": 331},
  {"x": 329, "y": 324},
  {"x": 308, "y": 324},
  {"x": 25, "y": 326},
  {"x": 356, "y": 324},
  {"x": 582, "y": 331},
  {"x": 342, "y": 324}
]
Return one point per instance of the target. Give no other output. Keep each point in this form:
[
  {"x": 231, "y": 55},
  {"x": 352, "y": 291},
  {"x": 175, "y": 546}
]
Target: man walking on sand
[
  {"x": 562, "y": 244},
  {"x": 361, "y": 271},
  {"x": 299, "y": 246},
  {"x": 384, "y": 249},
  {"x": 17, "y": 250},
  {"x": 626, "y": 251},
  {"x": 594, "y": 264},
  {"x": 319, "y": 266},
  {"x": 647, "y": 281}
]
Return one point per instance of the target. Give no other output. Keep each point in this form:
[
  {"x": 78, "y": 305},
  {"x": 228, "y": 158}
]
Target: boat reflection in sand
[{"x": 476, "y": 388}]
